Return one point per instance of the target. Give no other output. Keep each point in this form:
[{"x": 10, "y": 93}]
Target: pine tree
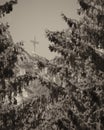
[{"x": 82, "y": 71}]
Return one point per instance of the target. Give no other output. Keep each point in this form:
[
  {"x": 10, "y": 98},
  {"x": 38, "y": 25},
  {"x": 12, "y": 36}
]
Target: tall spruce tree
[{"x": 82, "y": 69}]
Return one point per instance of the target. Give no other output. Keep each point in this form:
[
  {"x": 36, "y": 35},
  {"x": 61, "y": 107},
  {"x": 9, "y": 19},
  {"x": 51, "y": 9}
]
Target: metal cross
[{"x": 34, "y": 43}]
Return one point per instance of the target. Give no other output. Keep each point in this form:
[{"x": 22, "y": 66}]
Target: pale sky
[{"x": 32, "y": 17}]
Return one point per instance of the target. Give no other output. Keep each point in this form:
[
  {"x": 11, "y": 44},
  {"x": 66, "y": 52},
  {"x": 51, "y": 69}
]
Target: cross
[{"x": 34, "y": 43}]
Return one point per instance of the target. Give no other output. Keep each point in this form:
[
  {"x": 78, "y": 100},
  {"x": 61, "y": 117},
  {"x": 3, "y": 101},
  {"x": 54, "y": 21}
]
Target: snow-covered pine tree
[{"x": 82, "y": 50}]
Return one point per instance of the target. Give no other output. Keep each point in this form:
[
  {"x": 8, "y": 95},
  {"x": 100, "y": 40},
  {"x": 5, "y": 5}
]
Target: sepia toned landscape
[{"x": 51, "y": 64}]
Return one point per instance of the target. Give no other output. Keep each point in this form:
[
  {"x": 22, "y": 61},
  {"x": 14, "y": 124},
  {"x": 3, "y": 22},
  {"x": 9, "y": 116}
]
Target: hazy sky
[{"x": 32, "y": 17}]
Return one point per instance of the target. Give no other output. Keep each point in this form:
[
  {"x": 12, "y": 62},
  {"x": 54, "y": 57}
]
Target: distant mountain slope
[{"x": 29, "y": 64}]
